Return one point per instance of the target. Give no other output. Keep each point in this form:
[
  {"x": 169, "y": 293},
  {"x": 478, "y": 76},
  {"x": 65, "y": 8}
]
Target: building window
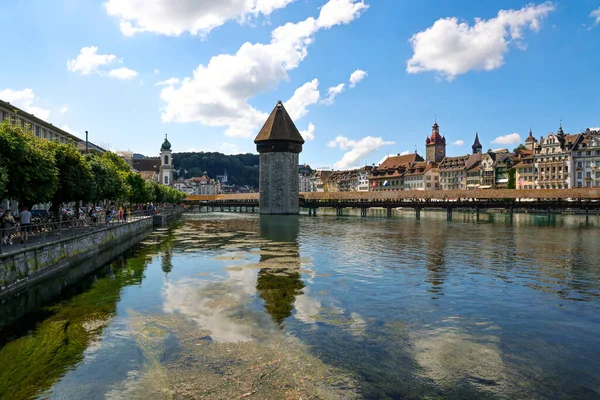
[
  {"x": 579, "y": 175},
  {"x": 166, "y": 160},
  {"x": 166, "y": 180}
]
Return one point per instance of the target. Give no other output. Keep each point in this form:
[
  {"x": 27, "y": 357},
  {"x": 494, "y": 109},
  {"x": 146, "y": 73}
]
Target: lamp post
[{"x": 86, "y": 142}]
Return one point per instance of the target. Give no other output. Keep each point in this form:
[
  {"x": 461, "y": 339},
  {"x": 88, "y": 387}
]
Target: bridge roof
[{"x": 279, "y": 127}]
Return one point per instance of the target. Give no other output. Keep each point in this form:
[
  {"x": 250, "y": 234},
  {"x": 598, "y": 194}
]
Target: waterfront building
[
  {"x": 525, "y": 173},
  {"x": 305, "y": 183},
  {"x": 183, "y": 186},
  {"x": 422, "y": 175},
  {"x": 279, "y": 143},
  {"x": 503, "y": 171},
  {"x": 586, "y": 160},
  {"x": 318, "y": 182},
  {"x": 453, "y": 174},
  {"x": 389, "y": 175},
  {"x": 487, "y": 170},
  {"x": 473, "y": 165},
  {"x": 205, "y": 185},
  {"x": 43, "y": 129},
  {"x": 355, "y": 180},
  {"x": 553, "y": 160}
]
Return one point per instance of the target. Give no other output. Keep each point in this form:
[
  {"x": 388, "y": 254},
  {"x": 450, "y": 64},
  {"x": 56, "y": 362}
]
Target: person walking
[
  {"x": 25, "y": 221},
  {"x": 120, "y": 214},
  {"x": 8, "y": 223},
  {"x": 125, "y": 214}
]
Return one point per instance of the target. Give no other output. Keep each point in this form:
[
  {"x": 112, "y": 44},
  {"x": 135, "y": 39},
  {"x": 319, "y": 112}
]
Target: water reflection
[{"x": 278, "y": 286}]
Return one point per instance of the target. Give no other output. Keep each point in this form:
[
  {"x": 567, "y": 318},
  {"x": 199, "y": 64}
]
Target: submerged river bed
[{"x": 223, "y": 306}]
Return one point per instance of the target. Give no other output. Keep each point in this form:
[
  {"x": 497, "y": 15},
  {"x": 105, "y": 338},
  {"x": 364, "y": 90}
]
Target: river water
[{"x": 235, "y": 306}]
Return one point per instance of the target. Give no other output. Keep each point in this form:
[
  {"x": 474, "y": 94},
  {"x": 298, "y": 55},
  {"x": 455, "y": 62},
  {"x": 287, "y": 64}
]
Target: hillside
[{"x": 242, "y": 169}]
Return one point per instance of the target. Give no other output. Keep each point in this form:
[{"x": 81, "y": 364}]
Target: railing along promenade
[{"x": 541, "y": 200}]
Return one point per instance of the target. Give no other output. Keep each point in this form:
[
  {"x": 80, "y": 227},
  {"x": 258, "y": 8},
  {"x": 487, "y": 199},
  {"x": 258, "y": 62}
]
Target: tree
[
  {"x": 108, "y": 181},
  {"x": 139, "y": 192},
  {"x": 33, "y": 176},
  {"x": 512, "y": 179},
  {"x": 76, "y": 179},
  {"x": 519, "y": 148}
]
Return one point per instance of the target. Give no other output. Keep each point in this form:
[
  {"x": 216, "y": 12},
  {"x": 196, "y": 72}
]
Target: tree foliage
[
  {"x": 242, "y": 169},
  {"x": 76, "y": 178},
  {"x": 35, "y": 170},
  {"x": 519, "y": 148},
  {"x": 30, "y": 165}
]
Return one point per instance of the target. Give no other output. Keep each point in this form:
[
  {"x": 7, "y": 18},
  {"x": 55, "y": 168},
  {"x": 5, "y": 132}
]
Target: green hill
[{"x": 242, "y": 169}]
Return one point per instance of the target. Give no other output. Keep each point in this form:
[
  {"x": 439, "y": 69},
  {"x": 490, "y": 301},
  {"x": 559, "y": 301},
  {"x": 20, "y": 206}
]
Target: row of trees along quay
[{"x": 35, "y": 170}]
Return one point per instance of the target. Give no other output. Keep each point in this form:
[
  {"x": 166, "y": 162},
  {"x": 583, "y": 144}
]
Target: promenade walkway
[{"x": 53, "y": 232}]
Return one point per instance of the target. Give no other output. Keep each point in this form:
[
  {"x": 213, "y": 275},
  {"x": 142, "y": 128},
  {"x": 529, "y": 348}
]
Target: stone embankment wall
[{"x": 36, "y": 263}]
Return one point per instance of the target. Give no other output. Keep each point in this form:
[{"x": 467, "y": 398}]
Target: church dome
[{"x": 166, "y": 145}]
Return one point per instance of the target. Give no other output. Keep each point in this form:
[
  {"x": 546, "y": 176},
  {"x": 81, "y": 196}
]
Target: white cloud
[
  {"x": 156, "y": 71},
  {"x": 69, "y": 130},
  {"x": 64, "y": 108},
  {"x": 230, "y": 148},
  {"x": 309, "y": 133},
  {"x": 596, "y": 15},
  {"x": 594, "y": 128},
  {"x": 458, "y": 143},
  {"x": 405, "y": 152},
  {"x": 173, "y": 18},
  {"x": 512, "y": 138},
  {"x": 24, "y": 99},
  {"x": 332, "y": 92},
  {"x": 90, "y": 62},
  {"x": 122, "y": 73},
  {"x": 358, "y": 149},
  {"x": 306, "y": 95},
  {"x": 217, "y": 94},
  {"x": 451, "y": 48},
  {"x": 356, "y": 77},
  {"x": 168, "y": 82}
]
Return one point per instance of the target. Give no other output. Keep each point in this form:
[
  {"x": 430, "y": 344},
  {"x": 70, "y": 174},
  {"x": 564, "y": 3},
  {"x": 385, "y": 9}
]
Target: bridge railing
[{"x": 417, "y": 195}]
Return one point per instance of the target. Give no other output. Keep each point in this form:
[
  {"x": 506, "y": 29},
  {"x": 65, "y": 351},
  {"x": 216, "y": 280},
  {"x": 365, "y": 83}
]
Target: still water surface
[{"x": 230, "y": 306}]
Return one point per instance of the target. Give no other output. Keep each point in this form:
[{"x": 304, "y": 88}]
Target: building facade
[
  {"x": 43, "y": 129},
  {"x": 553, "y": 160},
  {"x": 389, "y": 175},
  {"x": 586, "y": 160}
]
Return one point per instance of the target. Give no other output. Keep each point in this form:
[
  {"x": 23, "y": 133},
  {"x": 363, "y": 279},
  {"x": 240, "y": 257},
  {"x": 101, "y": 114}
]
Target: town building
[
  {"x": 586, "y": 160},
  {"x": 525, "y": 173},
  {"x": 349, "y": 181},
  {"x": 422, "y": 175},
  {"x": 43, "y": 129},
  {"x": 553, "y": 160},
  {"x": 453, "y": 173},
  {"x": 389, "y": 175},
  {"x": 318, "y": 182},
  {"x": 205, "y": 185}
]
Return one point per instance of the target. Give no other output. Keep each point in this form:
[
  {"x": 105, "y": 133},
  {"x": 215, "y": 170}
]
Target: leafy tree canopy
[{"x": 242, "y": 169}]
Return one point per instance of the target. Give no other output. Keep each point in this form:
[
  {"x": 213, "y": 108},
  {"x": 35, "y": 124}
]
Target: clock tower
[{"x": 435, "y": 145}]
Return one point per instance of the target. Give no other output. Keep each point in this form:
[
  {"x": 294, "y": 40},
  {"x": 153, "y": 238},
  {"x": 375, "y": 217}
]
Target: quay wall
[{"x": 67, "y": 256}]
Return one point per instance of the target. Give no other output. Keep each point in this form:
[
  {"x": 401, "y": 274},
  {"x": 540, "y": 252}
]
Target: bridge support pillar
[
  {"x": 449, "y": 213},
  {"x": 477, "y": 212},
  {"x": 389, "y": 211},
  {"x": 363, "y": 212},
  {"x": 418, "y": 213},
  {"x": 314, "y": 212}
]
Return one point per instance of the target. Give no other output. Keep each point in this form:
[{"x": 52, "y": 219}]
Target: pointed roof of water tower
[{"x": 279, "y": 127}]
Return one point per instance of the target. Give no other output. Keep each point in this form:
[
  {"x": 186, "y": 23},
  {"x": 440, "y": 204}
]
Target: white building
[
  {"x": 305, "y": 183},
  {"x": 43, "y": 129},
  {"x": 586, "y": 161}
]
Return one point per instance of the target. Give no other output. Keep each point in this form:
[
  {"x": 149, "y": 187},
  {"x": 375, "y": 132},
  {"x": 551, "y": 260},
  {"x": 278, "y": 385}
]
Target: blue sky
[{"x": 95, "y": 65}]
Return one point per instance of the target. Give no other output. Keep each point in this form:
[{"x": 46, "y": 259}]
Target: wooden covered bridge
[{"x": 539, "y": 200}]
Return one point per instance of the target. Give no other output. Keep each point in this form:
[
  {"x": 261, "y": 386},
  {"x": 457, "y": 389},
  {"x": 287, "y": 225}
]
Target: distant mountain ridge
[{"x": 242, "y": 169}]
